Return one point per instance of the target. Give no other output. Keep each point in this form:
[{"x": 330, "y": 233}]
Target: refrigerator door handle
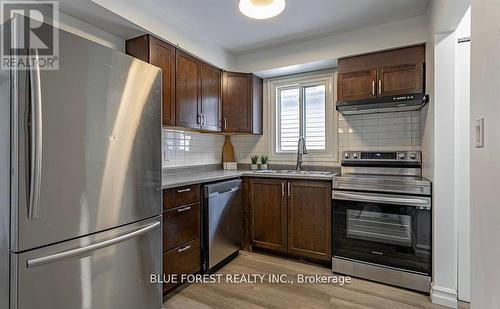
[
  {"x": 83, "y": 250},
  {"x": 36, "y": 138}
]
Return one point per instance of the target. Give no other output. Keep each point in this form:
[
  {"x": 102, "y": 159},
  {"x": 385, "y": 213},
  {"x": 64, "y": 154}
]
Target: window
[
  {"x": 303, "y": 106},
  {"x": 302, "y": 112}
]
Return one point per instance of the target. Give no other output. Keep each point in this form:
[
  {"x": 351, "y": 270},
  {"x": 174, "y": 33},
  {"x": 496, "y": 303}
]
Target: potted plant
[
  {"x": 263, "y": 161},
  {"x": 254, "y": 159}
]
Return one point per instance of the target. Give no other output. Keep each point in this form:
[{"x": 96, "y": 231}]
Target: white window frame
[{"x": 328, "y": 78}]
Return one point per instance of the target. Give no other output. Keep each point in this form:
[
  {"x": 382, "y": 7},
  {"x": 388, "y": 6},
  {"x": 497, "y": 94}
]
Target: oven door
[{"x": 385, "y": 229}]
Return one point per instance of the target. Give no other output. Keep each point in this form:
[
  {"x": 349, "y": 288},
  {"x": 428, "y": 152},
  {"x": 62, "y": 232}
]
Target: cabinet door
[
  {"x": 162, "y": 55},
  {"x": 401, "y": 79},
  {"x": 211, "y": 97},
  {"x": 268, "y": 213},
  {"x": 188, "y": 81},
  {"x": 237, "y": 107},
  {"x": 309, "y": 222},
  {"x": 357, "y": 85}
]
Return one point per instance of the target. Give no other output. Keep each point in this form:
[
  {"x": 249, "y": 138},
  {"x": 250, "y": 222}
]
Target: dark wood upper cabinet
[
  {"x": 198, "y": 95},
  {"x": 268, "y": 214},
  {"x": 401, "y": 79},
  {"x": 242, "y": 103},
  {"x": 357, "y": 85},
  {"x": 395, "y": 72},
  {"x": 211, "y": 83},
  {"x": 160, "y": 54},
  {"x": 309, "y": 222},
  {"x": 187, "y": 91}
]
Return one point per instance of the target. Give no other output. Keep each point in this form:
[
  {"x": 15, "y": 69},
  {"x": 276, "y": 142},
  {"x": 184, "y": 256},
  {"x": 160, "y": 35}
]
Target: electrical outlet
[{"x": 479, "y": 133}]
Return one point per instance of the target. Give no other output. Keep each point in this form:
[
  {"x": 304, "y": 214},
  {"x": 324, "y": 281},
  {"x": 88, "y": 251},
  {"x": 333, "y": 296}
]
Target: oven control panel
[{"x": 414, "y": 157}]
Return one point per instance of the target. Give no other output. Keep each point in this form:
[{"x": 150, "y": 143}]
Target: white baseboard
[{"x": 444, "y": 296}]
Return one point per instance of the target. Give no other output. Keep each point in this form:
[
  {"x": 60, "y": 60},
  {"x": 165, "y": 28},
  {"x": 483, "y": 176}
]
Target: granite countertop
[{"x": 187, "y": 177}]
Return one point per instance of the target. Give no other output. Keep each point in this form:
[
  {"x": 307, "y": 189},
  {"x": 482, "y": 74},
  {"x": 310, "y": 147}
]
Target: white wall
[
  {"x": 90, "y": 32},
  {"x": 442, "y": 16},
  {"x": 444, "y": 286},
  {"x": 78, "y": 27},
  {"x": 438, "y": 144},
  {"x": 485, "y": 166},
  {"x": 400, "y": 33},
  {"x": 462, "y": 156}
]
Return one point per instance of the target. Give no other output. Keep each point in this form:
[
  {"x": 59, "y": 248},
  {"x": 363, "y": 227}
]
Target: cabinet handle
[
  {"x": 183, "y": 248},
  {"x": 283, "y": 189},
  {"x": 198, "y": 119},
  {"x": 184, "y": 190},
  {"x": 379, "y": 86},
  {"x": 202, "y": 120},
  {"x": 225, "y": 123},
  {"x": 373, "y": 87},
  {"x": 184, "y": 209},
  {"x": 289, "y": 189}
]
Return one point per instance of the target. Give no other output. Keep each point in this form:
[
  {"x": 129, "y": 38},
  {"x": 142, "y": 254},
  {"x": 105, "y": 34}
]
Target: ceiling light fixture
[{"x": 262, "y": 9}]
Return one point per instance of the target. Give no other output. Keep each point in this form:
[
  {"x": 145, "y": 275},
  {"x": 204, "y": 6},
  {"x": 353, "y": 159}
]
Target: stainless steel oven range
[{"x": 381, "y": 219}]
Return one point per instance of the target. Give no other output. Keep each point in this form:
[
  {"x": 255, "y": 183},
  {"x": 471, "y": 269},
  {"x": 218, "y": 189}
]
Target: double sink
[{"x": 294, "y": 172}]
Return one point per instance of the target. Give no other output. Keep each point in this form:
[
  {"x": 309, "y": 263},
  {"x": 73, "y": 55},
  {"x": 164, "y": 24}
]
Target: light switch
[{"x": 479, "y": 133}]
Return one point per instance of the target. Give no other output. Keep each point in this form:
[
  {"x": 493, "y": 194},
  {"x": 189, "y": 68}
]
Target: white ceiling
[
  {"x": 216, "y": 31},
  {"x": 221, "y": 21}
]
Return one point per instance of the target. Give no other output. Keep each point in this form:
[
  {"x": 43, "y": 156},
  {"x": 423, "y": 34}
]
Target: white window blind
[
  {"x": 314, "y": 127},
  {"x": 301, "y": 112},
  {"x": 289, "y": 119}
]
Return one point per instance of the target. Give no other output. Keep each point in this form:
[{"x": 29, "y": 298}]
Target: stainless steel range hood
[{"x": 411, "y": 102}]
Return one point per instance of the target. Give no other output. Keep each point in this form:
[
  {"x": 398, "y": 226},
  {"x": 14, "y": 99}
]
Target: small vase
[
  {"x": 263, "y": 166},
  {"x": 254, "y": 167}
]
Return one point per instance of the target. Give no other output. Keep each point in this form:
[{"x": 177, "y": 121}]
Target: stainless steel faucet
[{"x": 301, "y": 150}]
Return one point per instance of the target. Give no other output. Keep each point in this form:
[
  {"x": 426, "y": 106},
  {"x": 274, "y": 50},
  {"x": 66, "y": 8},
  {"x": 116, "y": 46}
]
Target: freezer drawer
[{"x": 107, "y": 270}]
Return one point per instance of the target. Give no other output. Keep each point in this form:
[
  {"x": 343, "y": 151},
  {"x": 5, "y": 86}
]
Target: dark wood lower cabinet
[
  {"x": 268, "y": 213},
  {"x": 181, "y": 225},
  {"x": 290, "y": 216},
  {"x": 309, "y": 219},
  {"x": 181, "y": 233},
  {"x": 185, "y": 259},
  {"x": 181, "y": 196}
]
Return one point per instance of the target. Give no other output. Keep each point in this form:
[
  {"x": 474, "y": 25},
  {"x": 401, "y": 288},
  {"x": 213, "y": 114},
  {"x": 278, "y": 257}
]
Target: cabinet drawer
[
  {"x": 181, "y": 196},
  {"x": 185, "y": 259},
  {"x": 180, "y": 225}
]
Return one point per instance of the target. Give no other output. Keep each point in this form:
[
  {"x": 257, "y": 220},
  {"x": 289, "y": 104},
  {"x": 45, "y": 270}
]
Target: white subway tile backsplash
[
  {"x": 383, "y": 131},
  {"x": 190, "y": 148}
]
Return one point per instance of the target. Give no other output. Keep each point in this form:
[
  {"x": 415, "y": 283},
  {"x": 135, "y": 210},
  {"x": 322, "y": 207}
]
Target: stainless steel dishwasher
[{"x": 222, "y": 221}]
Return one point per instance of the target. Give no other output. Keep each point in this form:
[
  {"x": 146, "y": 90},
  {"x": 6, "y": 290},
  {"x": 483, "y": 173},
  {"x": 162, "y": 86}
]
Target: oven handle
[{"x": 421, "y": 202}]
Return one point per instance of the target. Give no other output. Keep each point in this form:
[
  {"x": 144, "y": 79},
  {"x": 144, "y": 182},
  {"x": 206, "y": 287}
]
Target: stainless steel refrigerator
[{"x": 80, "y": 181}]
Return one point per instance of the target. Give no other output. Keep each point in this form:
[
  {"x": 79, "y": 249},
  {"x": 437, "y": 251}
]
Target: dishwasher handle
[
  {"x": 222, "y": 188},
  {"x": 217, "y": 193}
]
